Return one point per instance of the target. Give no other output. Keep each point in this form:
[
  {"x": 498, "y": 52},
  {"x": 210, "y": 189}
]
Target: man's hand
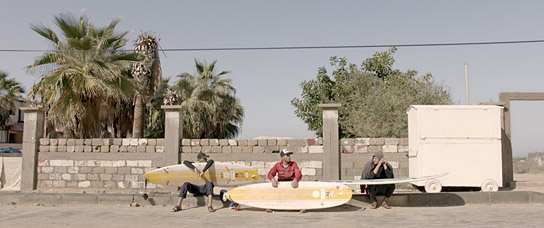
[
  {"x": 294, "y": 183},
  {"x": 274, "y": 183},
  {"x": 198, "y": 173},
  {"x": 384, "y": 163}
]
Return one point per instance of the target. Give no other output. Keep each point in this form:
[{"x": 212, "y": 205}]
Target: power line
[{"x": 313, "y": 47}]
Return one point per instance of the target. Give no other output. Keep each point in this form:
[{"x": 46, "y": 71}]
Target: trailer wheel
[
  {"x": 490, "y": 186},
  {"x": 433, "y": 186}
]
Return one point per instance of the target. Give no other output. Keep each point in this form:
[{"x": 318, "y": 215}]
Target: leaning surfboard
[
  {"x": 222, "y": 174},
  {"x": 308, "y": 195},
  {"x": 386, "y": 181}
]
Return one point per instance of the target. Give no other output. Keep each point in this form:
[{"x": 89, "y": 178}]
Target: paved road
[{"x": 480, "y": 215}]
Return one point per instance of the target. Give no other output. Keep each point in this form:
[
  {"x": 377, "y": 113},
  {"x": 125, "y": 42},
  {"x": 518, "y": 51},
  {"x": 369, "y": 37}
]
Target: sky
[{"x": 267, "y": 80}]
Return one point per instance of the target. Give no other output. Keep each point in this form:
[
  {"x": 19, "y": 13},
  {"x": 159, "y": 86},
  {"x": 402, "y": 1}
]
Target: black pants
[
  {"x": 206, "y": 189},
  {"x": 385, "y": 190}
]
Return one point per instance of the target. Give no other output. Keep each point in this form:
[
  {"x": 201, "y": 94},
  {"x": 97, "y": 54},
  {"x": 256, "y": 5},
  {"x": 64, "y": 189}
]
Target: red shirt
[{"x": 285, "y": 174}]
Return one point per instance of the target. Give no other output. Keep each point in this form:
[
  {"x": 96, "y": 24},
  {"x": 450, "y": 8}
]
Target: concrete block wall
[
  {"x": 119, "y": 164},
  {"x": 534, "y": 163}
]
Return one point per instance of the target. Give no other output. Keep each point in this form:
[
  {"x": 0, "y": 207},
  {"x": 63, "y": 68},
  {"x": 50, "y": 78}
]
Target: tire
[
  {"x": 433, "y": 186},
  {"x": 490, "y": 186}
]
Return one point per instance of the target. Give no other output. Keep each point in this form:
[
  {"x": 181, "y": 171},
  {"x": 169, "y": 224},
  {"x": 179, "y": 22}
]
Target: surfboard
[
  {"x": 385, "y": 181},
  {"x": 308, "y": 195},
  {"x": 222, "y": 174}
]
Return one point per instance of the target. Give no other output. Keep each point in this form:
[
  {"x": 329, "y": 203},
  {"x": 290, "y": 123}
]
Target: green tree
[
  {"x": 10, "y": 90},
  {"x": 85, "y": 81},
  {"x": 374, "y": 97},
  {"x": 213, "y": 111},
  {"x": 148, "y": 76}
]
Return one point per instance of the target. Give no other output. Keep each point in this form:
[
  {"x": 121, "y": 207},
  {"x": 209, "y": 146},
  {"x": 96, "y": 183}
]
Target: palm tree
[
  {"x": 213, "y": 111},
  {"x": 148, "y": 76},
  {"x": 10, "y": 90},
  {"x": 84, "y": 80}
]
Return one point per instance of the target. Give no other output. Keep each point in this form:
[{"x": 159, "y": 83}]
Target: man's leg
[
  {"x": 182, "y": 194},
  {"x": 208, "y": 191},
  {"x": 388, "y": 194},
  {"x": 372, "y": 192}
]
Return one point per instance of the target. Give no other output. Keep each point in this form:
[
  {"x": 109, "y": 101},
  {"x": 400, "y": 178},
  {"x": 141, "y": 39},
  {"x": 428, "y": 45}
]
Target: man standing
[
  {"x": 378, "y": 168},
  {"x": 286, "y": 170},
  {"x": 206, "y": 189}
]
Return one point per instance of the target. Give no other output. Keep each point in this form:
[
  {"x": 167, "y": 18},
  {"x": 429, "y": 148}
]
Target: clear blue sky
[{"x": 267, "y": 80}]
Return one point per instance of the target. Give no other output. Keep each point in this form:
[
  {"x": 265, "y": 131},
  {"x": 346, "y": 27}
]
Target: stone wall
[
  {"x": 534, "y": 163},
  {"x": 118, "y": 165}
]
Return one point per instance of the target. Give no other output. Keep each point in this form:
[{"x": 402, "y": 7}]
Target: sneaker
[{"x": 222, "y": 195}]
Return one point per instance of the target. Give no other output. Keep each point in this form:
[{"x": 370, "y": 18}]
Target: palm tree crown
[
  {"x": 213, "y": 109},
  {"x": 10, "y": 90},
  {"x": 85, "y": 77}
]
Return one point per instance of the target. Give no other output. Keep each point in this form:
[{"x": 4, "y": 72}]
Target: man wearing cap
[
  {"x": 286, "y": 170},
  {"x": 378, "y": 168},
  {"x": 206, "y": 189}
]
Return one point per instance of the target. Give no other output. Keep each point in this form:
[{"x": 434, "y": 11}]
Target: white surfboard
[
  {"x": 308, "y": 195},
  {"x": 385, "y": 181}
]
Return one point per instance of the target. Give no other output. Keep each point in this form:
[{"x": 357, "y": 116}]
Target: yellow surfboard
[
  {"x": 220, "y": 173},
  {"x": 308, "y": 195}
]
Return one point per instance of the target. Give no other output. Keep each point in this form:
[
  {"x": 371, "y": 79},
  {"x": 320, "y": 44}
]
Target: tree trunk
[{"x": 138, "y": 126}]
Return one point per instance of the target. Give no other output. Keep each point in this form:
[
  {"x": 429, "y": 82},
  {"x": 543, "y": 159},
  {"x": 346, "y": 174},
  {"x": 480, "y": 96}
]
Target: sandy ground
[
  {"x": 516, "y": 215},
  {"x": 475, "y": 215}
]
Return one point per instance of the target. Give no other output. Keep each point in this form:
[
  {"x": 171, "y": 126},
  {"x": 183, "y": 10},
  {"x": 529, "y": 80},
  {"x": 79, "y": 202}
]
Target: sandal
[
  {"x": 385, "y": 205},
  {"x": 176, "y": 209},
  {"x": 269, "y": 210},
  {"x": 210, "y": 209},
  {"x": 374, "y": 205}
]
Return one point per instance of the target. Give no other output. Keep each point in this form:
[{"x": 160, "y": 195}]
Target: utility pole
[{"x": 466, "y": 83}]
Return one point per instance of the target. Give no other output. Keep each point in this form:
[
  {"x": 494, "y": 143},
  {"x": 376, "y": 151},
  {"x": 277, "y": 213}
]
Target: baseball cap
[
  {"x": 285, "y": 152},
  {"x": 201, "y": 155}
]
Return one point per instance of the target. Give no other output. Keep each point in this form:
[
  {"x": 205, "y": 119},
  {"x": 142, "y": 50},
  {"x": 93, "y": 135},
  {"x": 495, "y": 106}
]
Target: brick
[
  {"x": 214, "y": 142},
  {"x": 262, "y": 142},
  {"x": 70, "y": 142},
  {"x": 362, "y": 141},
  {"x": 258, "y": 149},
  {"x": 242, "y": 142},
  {"x": 44, "y": 142},
  {"x": 97, "y": 142},
  {"x": 389, "y": 148},
  {"x": 61, "y": 148},
  {"x": 315, "y": 149},
  {"x": 391, "y": 141},
  {"x": 104, "y": 149},
  {"x": 160, "y": 142},
  {"x": 159, "y": 149},
  {"x": 376, "y": 141},
  {"x": 142, "y": 142},
  {"x": 43, "y": 148},
  {"x": 151, "y": 142}
]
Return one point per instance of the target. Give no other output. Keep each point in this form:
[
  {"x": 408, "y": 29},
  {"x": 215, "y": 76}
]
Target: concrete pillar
[
  {"x": 32, "y": 132},
  {"x": 173, "y": 133},
  {"x": 331, "y": 148}
]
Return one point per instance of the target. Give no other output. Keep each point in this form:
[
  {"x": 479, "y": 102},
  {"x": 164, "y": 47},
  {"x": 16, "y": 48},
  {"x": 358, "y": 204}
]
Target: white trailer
[{"x": 461, "y": 140}]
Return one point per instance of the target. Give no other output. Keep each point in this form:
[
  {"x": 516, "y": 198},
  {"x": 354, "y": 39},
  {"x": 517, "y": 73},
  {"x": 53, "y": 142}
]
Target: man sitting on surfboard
[
  {"x": 378, "y": 168},
  {"x": 286, "y": 170},
  {"x": 206, "y": 189}
]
